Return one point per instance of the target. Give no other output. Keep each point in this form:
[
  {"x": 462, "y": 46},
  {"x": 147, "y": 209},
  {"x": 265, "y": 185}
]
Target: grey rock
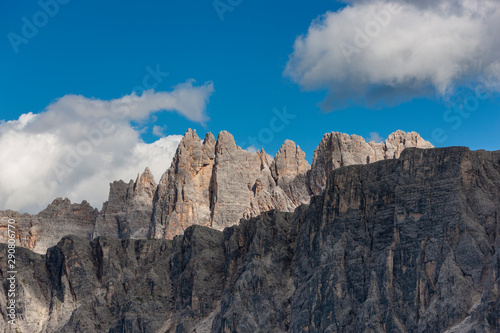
[
  {"x": 235, "y": 174},
  {"x": 402, "y": 245},
  {"x": 183, "y": 195},
  {"x": 112, "y": 285},
  {"x": 289, "y": 162},
  {"x": 338, "y": 149},
  {"x": 127, "y": 213},
  {"x": 289, "y": 169},
  {"x": 197, "y": 273},
  {"x": 43, "y": 230},
  {"x": 215, "y": 184}
]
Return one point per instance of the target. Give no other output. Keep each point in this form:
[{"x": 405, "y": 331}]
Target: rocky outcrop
[
  {"x": 235, "y": 173},
  {"x": 41, "y": 231},
  {"x": 259, "y": 281},
  {"x": 289, "y": 162},
  {"x": 338, "y": 149},
  {"x": 183, "y": 195},
  {"x": 127, "y": 213},
  {"x": 117, "y": 285},
  {"x": 403, "y": 245},
  {"x": 290, "y": 169},
  {"x": 215, "y": 184}
]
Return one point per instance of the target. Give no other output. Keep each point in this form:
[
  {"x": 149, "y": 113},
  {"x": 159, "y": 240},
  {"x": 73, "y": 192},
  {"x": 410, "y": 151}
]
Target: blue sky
[{"x": 103, "y": 50}]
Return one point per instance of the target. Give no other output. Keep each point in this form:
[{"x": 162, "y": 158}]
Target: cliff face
[
  {"x": 127, "y": 213},
  {"x": 183, "y": 195},
  {"x": 212, "y": 183},
  {"x": 338, "y": 149},
  {"x": 215, "y": 184},
  {"x": 41, "y": 231},
  {"x": 402, "y": 245}
]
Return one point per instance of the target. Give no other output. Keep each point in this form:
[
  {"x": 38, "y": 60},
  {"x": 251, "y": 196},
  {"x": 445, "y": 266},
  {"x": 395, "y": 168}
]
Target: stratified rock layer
[
  {"x": 127, "y": 213},
  {"x": 338, "y": 149},
  {"x": 215, "y": 184},
  {"x": 403, "y": 245},
  {"x": 41, "y": 231}
]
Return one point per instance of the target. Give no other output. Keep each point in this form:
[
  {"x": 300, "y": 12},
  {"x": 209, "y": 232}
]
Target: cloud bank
[
  {"x": 377, "y": 53},
  {"x": 78, "y": 145}
]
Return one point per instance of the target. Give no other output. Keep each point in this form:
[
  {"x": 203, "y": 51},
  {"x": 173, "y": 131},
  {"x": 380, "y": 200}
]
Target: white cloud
[
  {"x": 78, "y": 145},
  {"x": 375, "y": 51},
  {"x": 158, "y": 130},
  {"x": 252, "y": 149},
  {"x": 374, "y": 136}
]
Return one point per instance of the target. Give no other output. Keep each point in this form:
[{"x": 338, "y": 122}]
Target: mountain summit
[
  {"x": 410, "y": 244},
  {"x": 211, "y": 183}
]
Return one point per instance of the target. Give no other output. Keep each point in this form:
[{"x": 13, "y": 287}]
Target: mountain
[
  {"x": 210, "y": 183},
  {"x": 410, "y": 244}
]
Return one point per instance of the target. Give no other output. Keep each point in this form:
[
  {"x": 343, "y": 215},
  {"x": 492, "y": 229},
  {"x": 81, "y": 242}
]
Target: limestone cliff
[
  {"x": 183, "y": 195},
  {"x": 338, "y": 149},
  {"x": 403, "y": 245},
  {"x": 127, "y": 213},
  {"x": 216, "y": 183},
  {"x": 211, "y": 183},
  {"x": 43, "y": 230}
]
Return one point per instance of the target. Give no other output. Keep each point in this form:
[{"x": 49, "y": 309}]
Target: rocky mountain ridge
[
  {"x": 211, "y": 183},
  {"x": 410, "y": 244}
]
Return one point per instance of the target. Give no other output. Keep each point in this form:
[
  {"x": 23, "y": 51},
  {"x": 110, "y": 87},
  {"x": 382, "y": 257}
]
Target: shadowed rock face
[
  {"x": 127, "y": 213},
  {"x": 404, "y": 245},
  {"x": 210, "y": 183}
]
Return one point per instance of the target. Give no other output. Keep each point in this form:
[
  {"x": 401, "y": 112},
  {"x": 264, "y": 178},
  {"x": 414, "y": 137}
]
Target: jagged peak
[
  {"x": 225, "y": 142},
  {"x": 60, "y": 200},
  {"x": 209, "y": 139},
  {"x": 399, "y": 132},
  {"x": 225, "y": 135},
  {"x": 66, "y": 201},
  {"x": 339, "y": 149},
  {"x": 287, "y": 144},
  {"x": 63, "y": 206},
  {"x": 190, "y": 131},
  {"x": 289, "y": 161},
  {"x": 189, "y": 137},
  {"x": 189, "y": 142},
  {"x": 400, "y": 136},
  {"x": 147, "y": 171},
  {"x": 290, "y": 146},
  {"x": 265, "y": 158},
  {"x": 146, "y": 179},
  {"x": 333, "y": 134}
]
